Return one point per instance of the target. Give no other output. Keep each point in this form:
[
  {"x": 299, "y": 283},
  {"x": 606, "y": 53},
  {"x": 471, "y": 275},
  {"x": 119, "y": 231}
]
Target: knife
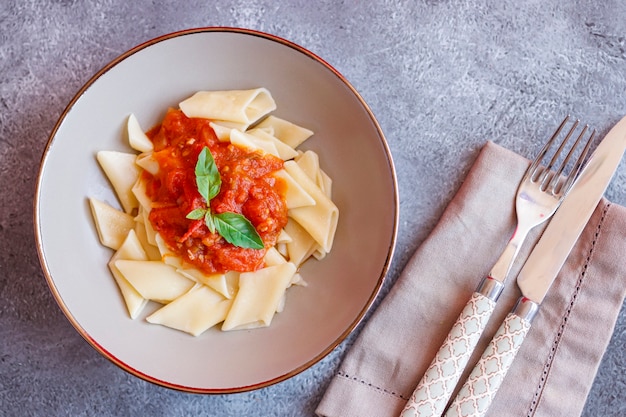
[{"x": 538, "y": 273}]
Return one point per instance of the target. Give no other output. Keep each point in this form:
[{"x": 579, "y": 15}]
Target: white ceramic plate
[{"x": 145, "y": 81}]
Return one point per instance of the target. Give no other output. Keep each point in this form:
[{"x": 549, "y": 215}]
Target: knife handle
[
  {"x": 433, "y": 392},
  {"x": 477, "y": 393}
]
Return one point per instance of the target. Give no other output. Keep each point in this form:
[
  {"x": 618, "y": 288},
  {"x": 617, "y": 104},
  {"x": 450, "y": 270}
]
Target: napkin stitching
[
  {"x": 370, "y": 385},
  {"x": 548, "y": 365}
]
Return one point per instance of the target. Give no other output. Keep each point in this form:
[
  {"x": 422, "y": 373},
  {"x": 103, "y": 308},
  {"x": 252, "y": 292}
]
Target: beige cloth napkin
[{"x": 557, "y": 363}]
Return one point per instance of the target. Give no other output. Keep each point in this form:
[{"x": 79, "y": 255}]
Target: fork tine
[
  {"x": 532, "y": 169},
  {"x": 569, "y": 155},
  {"x": 543, "y": 177},
  {"x": 579, "y": 163},
  {"x": 554, "y": 177}
]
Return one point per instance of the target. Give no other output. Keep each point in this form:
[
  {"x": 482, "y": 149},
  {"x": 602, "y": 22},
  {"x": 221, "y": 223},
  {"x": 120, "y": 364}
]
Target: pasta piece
[
  {"x": 221, "y": 131},
  {"x": 302, "y": 244},
  {"x": 231, "y": 281},
  {"x": 233, "y": 125},
  {"x": 154, "y": 280},
  {"x": 258, "y": 297},
  {"x": 269, "y": 130},
  {"x": 224, "y": 284},
  {"x": 145, "y": 268},
  {"x": 253, "y": 143},
  {"x": 295, "y": 194},
  {"x": 112, "y": 225},
  {"x": 309, "y": 162},
  {"x": 147, "y": 162},
  {"x": 139, "y": 191},
  {"x": 283, "y": 237},
  {"x": 167, "y": 256},
  {"x": 320, "y": 220},
  {"x": 239, "y": 106},
  {"x": 281, "y": 303},
  {"x": 152, "y": 251},
  {"x": 326, "y": 184},
  {"x": 131, "y": 249},
  {"x": 298, "y": 280},
  {"x": 193, "y": 312},
  {"x": 137, "y": 139},
  {"x": 282, "y": 249},
  {"x": 287, "y": 132},
  {"x": 227, "y": 284},
  {"x": 199, "y": 276},
  {"x": 151, "y": 235},
  {"x": 273, "y": 257},
  {"x": 122, "y": 172},
  {"x": 318, "y": 253},
  {"x": 285, "y": 152}
]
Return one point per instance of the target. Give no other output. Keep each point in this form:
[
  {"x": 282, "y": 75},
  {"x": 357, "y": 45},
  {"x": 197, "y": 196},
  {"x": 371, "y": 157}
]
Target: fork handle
[
  {"x": 478, "y": 392},
  {"x": 433, "y": 392}
]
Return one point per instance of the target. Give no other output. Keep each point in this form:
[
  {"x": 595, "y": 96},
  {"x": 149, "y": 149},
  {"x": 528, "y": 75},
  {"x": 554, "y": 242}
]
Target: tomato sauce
[{"x": 248, "y": 188}]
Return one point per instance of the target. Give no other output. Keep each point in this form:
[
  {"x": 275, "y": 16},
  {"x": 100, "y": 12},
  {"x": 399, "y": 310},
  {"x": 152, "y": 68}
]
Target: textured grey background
[{"x": 442, "y": 77}]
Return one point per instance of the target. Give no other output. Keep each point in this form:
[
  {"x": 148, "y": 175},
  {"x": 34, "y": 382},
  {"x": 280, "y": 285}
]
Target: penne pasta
[
  {"x": 287, "y": 132},
  {"x": 130, "y": 249},
  {"x": 283, "y": 151},
  {"x": 295, "y": 194},
  {"x": 146, "y": 269},
  {"x": 319, "y": 220},
  {"x": 302, "y": 244},
  {"x": 245, "y": 140},
  {"x": 239, "y": 106},
  {"x": 258, "y": 297},
  {"x": 122, "y": 172},
  {"x": 284, "y": 237},
  {"x": 310, "y": 164},
  {"x": 152, "y": 251},
  {"x": 225, "y": 284},
  {"x": 326, "y": 184},
  {"x": 221, "y": 131},
  {"x": 139, "y": 191},
  {"x": 154, "y": 280},
  {"x": 194, "y": 312},
  {"x": 137, "y": 139},
  {"x": 273, "y": 257},
  {"x": 151, "y": 235},
  {"x": 147, "y": 162},
  {"x": 112, "y": 225}
]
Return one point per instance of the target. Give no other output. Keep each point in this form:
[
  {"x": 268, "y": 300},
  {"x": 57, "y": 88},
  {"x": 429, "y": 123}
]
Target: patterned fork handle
[
  {"x": 478, "y": 392},
  {"x": 436, "y": 386}
]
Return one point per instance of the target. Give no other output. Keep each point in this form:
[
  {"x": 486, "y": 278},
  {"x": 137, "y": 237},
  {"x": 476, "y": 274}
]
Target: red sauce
[{"x": 248, "y": 187}]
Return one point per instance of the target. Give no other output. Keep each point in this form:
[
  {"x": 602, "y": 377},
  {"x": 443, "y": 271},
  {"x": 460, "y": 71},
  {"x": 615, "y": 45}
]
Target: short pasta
[{"x": 147, "y": 270}]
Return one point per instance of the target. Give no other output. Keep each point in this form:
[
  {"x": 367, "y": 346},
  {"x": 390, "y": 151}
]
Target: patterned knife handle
[
  {"x": 476, "y": 395},
  {"x": 435, "y": 389}
]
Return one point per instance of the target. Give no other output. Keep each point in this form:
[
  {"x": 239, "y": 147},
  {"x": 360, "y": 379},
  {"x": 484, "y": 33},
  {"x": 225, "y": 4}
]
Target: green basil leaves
[{"x": 233, "y": 227}]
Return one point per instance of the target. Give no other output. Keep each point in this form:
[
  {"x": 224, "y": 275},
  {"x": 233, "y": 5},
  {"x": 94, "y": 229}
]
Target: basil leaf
[
  {"x": 233, "y": 227},
  {"x": 207, "y": 176},
  {"x": 208, "y": 220},
  {"x": 238, "y": 230},
  {"x": 197, "y": 214}
]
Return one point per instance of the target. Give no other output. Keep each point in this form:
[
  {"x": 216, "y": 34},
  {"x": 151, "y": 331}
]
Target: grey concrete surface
[{"x": 442, "y": 77}]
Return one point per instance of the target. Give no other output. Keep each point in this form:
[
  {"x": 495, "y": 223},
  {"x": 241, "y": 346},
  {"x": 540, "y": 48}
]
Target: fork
[{"x": 538, "y": 196}]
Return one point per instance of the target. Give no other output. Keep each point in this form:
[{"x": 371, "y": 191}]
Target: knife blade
[{"x": 538, "y": 274}]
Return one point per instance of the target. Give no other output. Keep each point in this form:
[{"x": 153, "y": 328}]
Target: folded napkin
[{"x": 555, "y": 367}]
